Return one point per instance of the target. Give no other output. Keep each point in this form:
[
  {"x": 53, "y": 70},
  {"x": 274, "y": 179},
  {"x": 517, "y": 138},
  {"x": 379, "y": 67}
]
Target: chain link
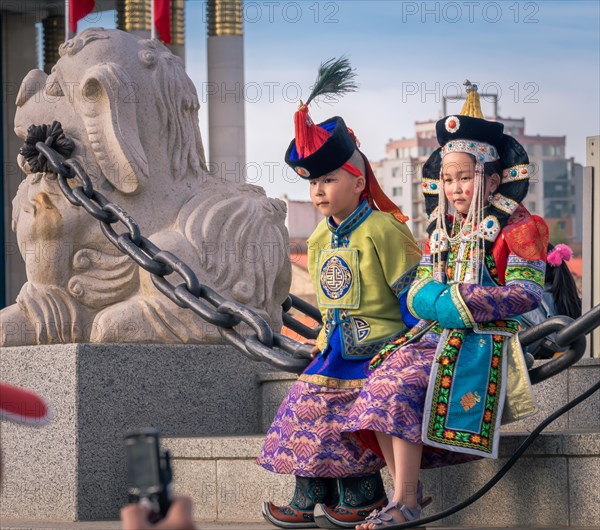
[{"x": 260, "y": 342}]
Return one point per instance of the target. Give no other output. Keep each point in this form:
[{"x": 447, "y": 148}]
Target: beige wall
[
  {"x": 591, "y": 237},
  {"x": 302, "y": 285}
]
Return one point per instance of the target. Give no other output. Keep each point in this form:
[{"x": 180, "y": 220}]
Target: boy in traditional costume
[
  {"x": 438, "y": 397},
  {"x": 362, "y": 259}
]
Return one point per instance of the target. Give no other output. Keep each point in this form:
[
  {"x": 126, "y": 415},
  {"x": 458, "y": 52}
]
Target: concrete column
[
  {"x": 17, "y": 32},
  {"x": 54, "y": 36},
  {"x": 134, "y": 16},
  {"x": 177, "y": 45},
  {"x": 226, "y": 121}
]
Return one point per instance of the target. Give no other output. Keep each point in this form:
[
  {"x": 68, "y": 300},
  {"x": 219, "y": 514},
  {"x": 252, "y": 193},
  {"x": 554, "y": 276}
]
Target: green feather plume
[{"x": 335, "y": 78}]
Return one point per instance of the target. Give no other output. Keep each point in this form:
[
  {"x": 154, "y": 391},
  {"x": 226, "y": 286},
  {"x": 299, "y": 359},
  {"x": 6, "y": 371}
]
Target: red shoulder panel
[{"x": 527, "y": 235}]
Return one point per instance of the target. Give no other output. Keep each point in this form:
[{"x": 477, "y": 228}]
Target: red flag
[
  {"x": 77, "y": 10},
  {"x": 162, "y": 19}
]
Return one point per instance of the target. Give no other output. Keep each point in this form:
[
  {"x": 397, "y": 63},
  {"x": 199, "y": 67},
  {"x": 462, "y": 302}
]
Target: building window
[
  {"x": 397, "y": 191},
  {"x": 554, "y": 170},
  {"x": 552, "y": 150}
]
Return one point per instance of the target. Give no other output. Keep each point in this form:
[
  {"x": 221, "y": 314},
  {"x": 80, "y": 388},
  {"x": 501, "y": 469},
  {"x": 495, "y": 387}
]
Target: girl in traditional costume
[
  {"x": 362, "y": 258},
  {"x": 439, "y": 394}
]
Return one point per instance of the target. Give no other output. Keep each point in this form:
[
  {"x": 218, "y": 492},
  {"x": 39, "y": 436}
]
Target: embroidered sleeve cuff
[
  {"x": 450, "y": 314},
  {"x": 461, "y": 306},
  {"x": 422, "y": 297}
]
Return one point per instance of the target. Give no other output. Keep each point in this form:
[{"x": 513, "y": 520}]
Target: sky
[{"x": 542, "y": 58}]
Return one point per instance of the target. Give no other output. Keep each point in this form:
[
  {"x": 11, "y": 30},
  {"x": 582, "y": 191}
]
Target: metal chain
[{"x": 261, "y": 344}]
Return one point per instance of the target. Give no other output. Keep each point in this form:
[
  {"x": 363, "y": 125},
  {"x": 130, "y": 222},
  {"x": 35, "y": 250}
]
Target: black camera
[{"x": 149, "y": 472}]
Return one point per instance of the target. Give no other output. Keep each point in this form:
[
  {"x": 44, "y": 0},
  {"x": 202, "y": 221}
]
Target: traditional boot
[
  {"x": 299, "y": 512},
  {"x": 358, "y": 497}
]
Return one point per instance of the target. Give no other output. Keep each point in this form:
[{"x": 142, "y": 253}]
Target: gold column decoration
[
  {"x": 133, "y": 15},
  {"x": 224, "y": 18},
  {"x": 54, "y": 36},
  {"x": 178, "y": 22}
]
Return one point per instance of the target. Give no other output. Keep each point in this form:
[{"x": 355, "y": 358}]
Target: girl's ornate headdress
[{"x": 485, "y": 140}]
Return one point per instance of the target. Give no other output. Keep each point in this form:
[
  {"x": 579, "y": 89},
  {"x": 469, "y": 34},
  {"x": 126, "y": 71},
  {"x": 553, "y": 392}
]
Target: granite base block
[
  {"x": 554, "y": 484},
  {"x": 74, "y": 468},
  {"x": 274, "y": 388},
  {"x": 551, "y": 394}
]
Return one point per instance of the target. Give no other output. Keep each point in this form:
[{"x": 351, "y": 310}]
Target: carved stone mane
[{"x": 132, "y": 114}]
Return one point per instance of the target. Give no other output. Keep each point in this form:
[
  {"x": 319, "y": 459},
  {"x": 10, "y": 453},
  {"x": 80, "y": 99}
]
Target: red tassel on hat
[
  {"x": 309, "y": 137},
  {"x": 382, "y": 202}
]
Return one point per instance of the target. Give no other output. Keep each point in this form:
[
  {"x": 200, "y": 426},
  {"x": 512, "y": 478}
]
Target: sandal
[
  {"x": 421, "y": 501},
  {"x": 393, "y": 514}
]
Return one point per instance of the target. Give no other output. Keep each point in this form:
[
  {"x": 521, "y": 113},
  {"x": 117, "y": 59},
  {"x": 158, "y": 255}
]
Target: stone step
[
  {"x": 201, "y": 525},
  {"x": 554, "y": 484},
  {"x": 552, "y": 394}
]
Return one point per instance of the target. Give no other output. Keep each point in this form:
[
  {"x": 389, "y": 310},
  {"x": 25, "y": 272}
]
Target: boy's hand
[
  {"x": 179, "y": 517},
  {"x": 315, "y": 351}
]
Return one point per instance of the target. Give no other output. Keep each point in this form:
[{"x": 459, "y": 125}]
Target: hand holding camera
[
  {"x": 179, "y": 516},
  {"x": 149, "y": 487}
]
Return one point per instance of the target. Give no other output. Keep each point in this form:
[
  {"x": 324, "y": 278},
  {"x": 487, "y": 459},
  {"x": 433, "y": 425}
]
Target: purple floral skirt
[
  {"x": 305, "y": 437},
  {"x": 392, "y": 402}
]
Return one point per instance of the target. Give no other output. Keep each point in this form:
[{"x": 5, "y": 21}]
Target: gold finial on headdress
[{"x": 472, "y": 106}]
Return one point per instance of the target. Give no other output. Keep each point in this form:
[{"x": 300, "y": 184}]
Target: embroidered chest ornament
[{"x": 336, "y": 278}]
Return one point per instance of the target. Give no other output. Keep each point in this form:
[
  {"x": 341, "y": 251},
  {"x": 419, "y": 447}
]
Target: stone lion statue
[{"x": 132, "y": 113}]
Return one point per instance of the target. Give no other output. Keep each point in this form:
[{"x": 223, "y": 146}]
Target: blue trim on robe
[
  {"x": 330, "y": 362},
  {"x": 407, "y": 316},
  {"x": 348, "y": 225}
]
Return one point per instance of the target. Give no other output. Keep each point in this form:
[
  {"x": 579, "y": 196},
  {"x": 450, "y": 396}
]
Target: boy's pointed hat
[{"x": 318, "y": 149}]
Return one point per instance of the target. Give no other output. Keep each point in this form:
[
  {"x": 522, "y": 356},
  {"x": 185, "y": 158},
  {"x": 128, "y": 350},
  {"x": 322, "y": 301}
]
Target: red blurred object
[{"x": 22, "y": 405}]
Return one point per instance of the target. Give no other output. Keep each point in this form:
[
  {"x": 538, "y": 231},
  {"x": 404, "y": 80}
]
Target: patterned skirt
[
  {"x": 305, "y": 437},
  {"x": 392, "y": 402}
]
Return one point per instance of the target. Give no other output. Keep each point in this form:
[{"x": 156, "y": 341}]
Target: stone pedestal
[
  {"x": 274, "y": 387},
  {"x": 552, "y": 394},
  {"x": 553, "y": 485},
  {"x": 74, "y": 468}
]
